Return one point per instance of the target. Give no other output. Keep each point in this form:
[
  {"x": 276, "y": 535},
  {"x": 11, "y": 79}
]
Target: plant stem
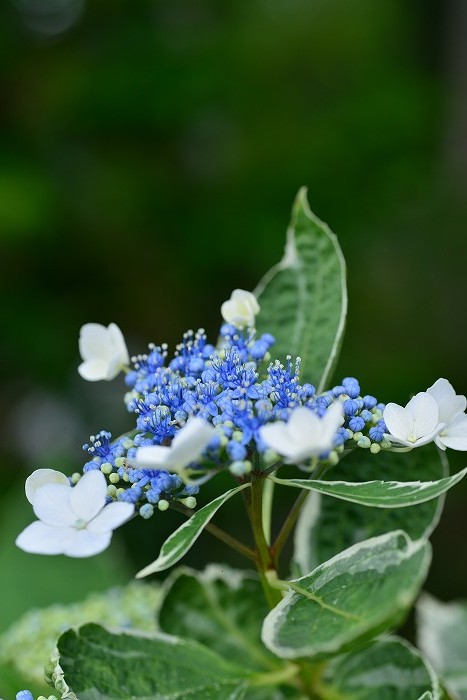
[
  {"x": 219, "y": 533},
  {"x": 292, "y": 517},
  {"x": 268, "y": 498},
  {"x": 264, "y": 558}
]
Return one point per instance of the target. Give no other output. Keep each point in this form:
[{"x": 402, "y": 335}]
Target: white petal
[
  {"x": 89, "y": 495},
  {"x": 52, "y": 505},
  {"x": 248, "y": 298},
  {"x": 300, "y": 455},
  {"x": 84, "y": 543},
  {"x": 454, "y": 443},
  {"x": 424, "y": 409},
  {"x": 277, "y": 436},
  {"x": 449, "y": 403},
  {"x": 118, "y": 343},
  {"x": 151, "y": 456},
  {"x": 95, "y": 342},
  {"x": 103, "y": 350},
  {"x": 94, "y": 370},
  {"x": 190, "y": 442},
  {"x": 41, "y": 477},
  {"x": 114, "y": 367},
  {"x": 240, "y": 309},
  {"x": 332, "y": 421},
  {"x": 233, "y": 314},
  {"x": 425, "y": 439},
  {"x": 301, "y": 423},
  {"x": 39, "y": 538},
  {"x": 454, "y": 435},
  {"x": 399, "y": 421},
  {"x": 111, "y": 517}
]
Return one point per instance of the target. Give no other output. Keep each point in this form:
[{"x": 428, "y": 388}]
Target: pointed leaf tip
[
  {"x": 180, "y": 541},
  {"x": 303, "y": 298}
]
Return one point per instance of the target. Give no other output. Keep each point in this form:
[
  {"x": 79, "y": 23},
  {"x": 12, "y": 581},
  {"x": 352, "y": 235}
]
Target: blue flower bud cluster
[
  {"x": 236, "y": 388},
  {"x": 363, "y": 416}
]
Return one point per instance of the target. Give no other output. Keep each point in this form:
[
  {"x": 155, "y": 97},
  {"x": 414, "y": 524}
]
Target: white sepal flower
[
  {"x": 305, "y": 434},
  {"x": 415, "y": 424},
  {"x": 187, "y": 446},
  {"x": 451, "y": 408},
  {"x": 103, "y": 350},
  {"x": 73, "y": 520},
  {"x": 240, "y": 310},
  {"x": 41, "y": 477}
]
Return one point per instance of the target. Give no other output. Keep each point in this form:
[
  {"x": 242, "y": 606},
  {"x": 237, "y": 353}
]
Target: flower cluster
[
  {"x": 229, "y": 401},
  {"x": 210, "y": 408}
]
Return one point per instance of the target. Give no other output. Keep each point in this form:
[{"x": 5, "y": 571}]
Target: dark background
[{"x": 149, "y": 155}]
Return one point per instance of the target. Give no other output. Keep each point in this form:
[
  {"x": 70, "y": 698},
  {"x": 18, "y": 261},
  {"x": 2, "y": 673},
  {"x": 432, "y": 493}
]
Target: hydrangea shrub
[{"x": 369, "y": 479}]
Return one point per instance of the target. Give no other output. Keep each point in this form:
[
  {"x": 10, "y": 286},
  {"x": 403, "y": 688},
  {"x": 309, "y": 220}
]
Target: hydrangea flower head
[{"x": 103, "y": 350}]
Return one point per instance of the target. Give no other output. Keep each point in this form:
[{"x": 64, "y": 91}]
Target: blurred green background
[{"x": 150, "y": 152}]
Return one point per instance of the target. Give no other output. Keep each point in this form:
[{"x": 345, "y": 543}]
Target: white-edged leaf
[
  {"x": 357, "y": 594},
  {"x": 95, "y": 664},
  {"x": 180, "y": 541},
  {"x": 328, "y": 525},
  {"x": 442, "y": 636},
  {"x": 379, "y": 494},
  {"x": 389, "y": 668},
  {"x": 303, "y": 298}
]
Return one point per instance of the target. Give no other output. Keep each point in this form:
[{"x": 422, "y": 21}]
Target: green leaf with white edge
[
  {"x": 223, "y": 609},
  {"x": 389, "y": 669},
  {"x": 96, "y": 664},
  {"x": 351, "y": 598},
  {"x": 442, "y": 636},
  {"x": 303, "y": 298},
  {"x": 180, "y": 541},
  {"x": 328, "y": 525},
  {"x": 378, "y": 494}
]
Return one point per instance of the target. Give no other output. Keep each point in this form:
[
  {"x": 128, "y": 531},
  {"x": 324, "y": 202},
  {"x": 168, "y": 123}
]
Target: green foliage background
[{"x": 149, "y": 156}]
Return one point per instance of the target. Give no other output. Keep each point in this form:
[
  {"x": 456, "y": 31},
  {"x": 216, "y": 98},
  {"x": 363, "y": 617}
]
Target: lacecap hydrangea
[{"x": 230, "y": 406}]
